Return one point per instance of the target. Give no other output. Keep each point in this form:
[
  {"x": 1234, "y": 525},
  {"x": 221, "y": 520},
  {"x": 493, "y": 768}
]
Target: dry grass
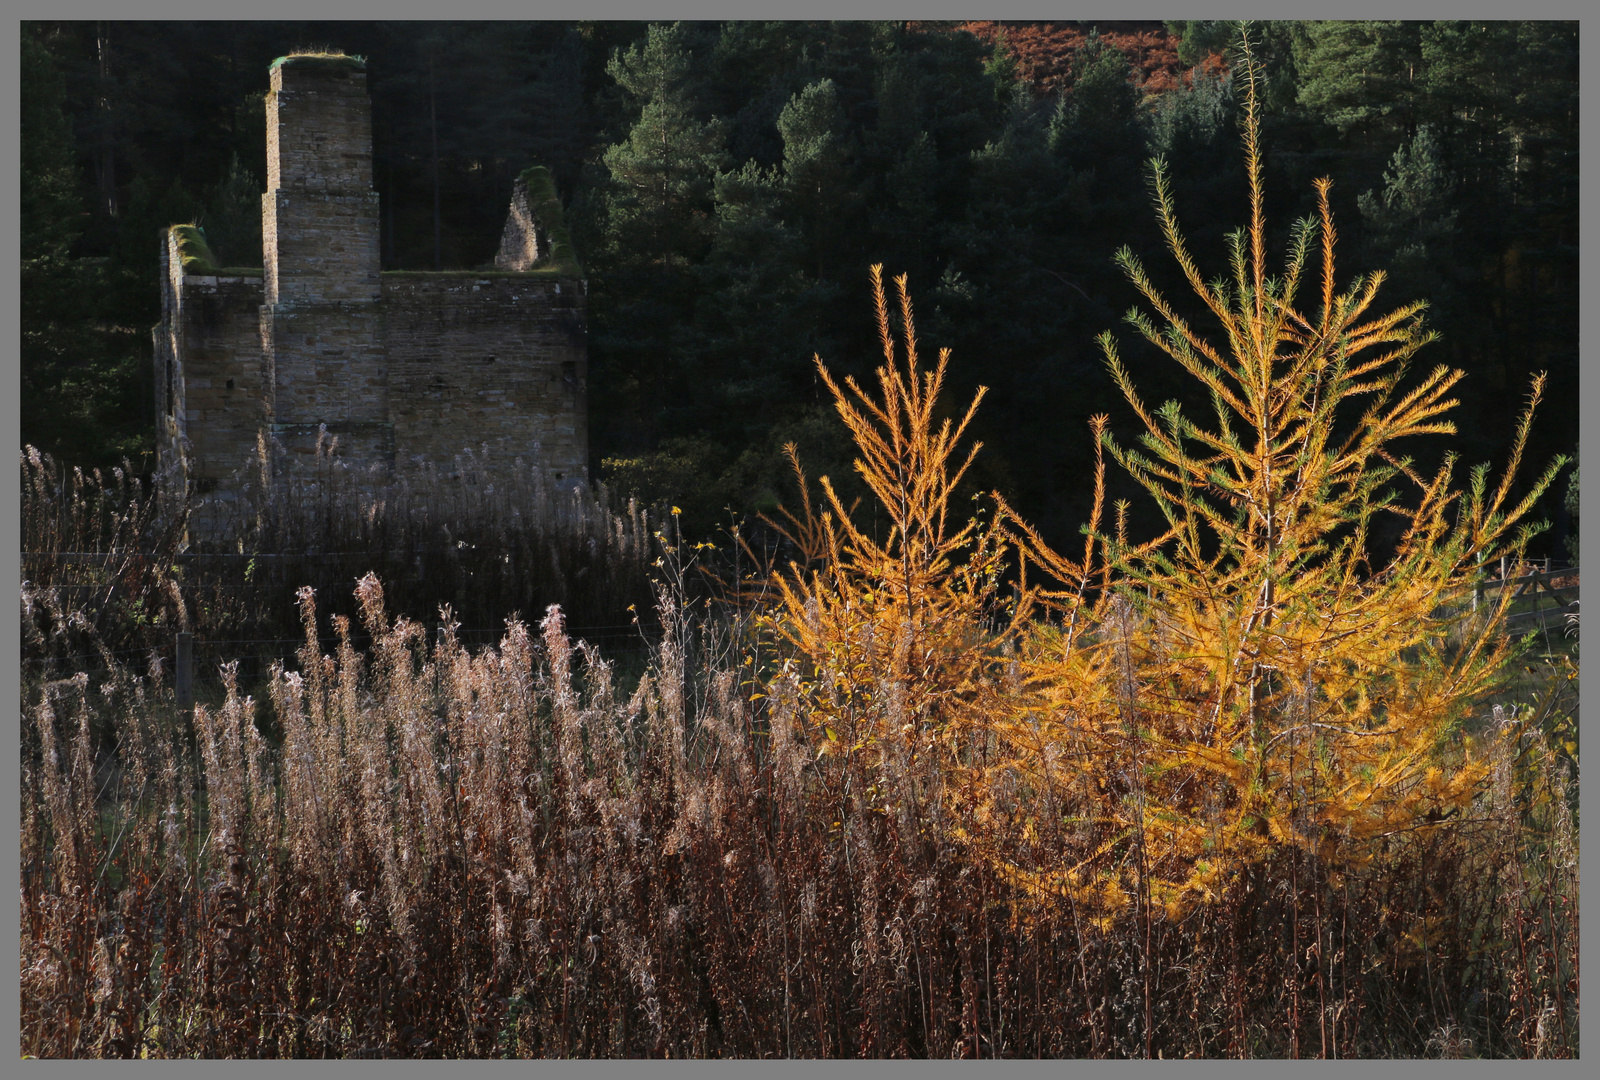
[
  {"x": 96, "y": 565},
  {"x": 458, "y": 853},
  {"x": 110, "y": 570}
]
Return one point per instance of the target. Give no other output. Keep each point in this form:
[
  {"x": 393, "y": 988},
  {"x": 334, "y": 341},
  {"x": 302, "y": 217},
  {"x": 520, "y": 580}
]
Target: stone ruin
[{"x": 400, "y": 367}]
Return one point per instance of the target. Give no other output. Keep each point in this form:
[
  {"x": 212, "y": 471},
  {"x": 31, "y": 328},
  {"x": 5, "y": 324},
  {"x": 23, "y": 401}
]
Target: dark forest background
[{"x": 729, "y": 184}]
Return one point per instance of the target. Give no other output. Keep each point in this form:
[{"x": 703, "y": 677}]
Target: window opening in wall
[
  {"x": 569, "y": 371},
  {"x": 230, "y": 384}
]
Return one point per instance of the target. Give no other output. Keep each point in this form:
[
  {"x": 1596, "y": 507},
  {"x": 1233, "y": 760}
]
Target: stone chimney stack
[
  {"x": 321, "y": 214},
  {"x": 321, "y": 325}
]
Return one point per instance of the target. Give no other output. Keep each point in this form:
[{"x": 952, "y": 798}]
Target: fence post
[{"x": 185, "y": 669}]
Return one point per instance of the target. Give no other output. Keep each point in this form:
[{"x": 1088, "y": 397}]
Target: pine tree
[
  {"x": 51, "y": 220},
  {"x": 50, "y": 203},
  {"x": 1362, "y": 77},
  {"x": 745, "y": 330},
  {"x": 1103, "y": 96},
  {"x": 654, "y": 221},
  {"x": 816, "y": 167},
  {"x": 81, "y": 388},
  {"x": 1200, "y": 38},
  {"x": 663, "y": 172},
  {"x": 1413, "y": 221}
]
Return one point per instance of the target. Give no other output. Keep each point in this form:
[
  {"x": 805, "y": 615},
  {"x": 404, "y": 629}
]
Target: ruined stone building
[{"x": 399, "y": 366}]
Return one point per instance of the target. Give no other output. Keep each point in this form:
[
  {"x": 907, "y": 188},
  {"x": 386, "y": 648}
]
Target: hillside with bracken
[{"x": 1043, "y": 51}]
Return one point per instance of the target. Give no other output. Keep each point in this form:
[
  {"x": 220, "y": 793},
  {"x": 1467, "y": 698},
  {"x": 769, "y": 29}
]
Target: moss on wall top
[
  {"x": 198, "y": 258},
  {"x": 541, "y": 272},
  {"x": 329, "y": 61}
]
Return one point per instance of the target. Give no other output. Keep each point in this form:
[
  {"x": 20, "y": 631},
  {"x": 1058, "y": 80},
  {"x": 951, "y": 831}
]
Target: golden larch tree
[{"x": 1275, "y": 672}]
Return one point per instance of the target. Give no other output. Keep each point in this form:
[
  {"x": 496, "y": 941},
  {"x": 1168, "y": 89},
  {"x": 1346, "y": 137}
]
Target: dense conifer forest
[{"x": 730, "y": 183}]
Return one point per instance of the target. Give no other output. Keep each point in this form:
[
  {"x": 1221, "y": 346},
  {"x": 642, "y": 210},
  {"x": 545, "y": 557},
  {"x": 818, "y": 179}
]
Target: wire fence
[
  {"x": 207, "y": 656},
  {"x": 1546, "y": 600},
  {"x": 260, "y": 590}
]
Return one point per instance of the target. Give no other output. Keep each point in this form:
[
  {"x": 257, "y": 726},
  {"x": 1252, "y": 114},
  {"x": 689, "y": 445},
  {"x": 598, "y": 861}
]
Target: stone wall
[
  {"x": 208, "y": 368},
  {"x": 221, "y": 371},
  {"x": 167, "y": 338},
  {"x": 494, "y": 358},
  {"x": 320, "y": 246}
]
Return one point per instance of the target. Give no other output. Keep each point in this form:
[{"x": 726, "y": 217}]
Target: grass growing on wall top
[
  {"x": 540, "y": 273},
  {"x": 198, "y": 258},
  {"x": 322, "y": 59}
]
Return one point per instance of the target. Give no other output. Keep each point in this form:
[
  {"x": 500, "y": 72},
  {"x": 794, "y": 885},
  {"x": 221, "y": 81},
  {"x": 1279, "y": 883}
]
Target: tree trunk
[
  {"x": 433, "y": 127},
  {"x": 105, "y": 158}
]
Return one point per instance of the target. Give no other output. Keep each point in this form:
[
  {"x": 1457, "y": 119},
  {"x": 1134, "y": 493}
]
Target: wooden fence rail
[{"x": 1536, "y": 582}]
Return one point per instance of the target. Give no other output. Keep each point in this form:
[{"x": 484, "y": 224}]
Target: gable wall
[{"x": 221, "y": 371}]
